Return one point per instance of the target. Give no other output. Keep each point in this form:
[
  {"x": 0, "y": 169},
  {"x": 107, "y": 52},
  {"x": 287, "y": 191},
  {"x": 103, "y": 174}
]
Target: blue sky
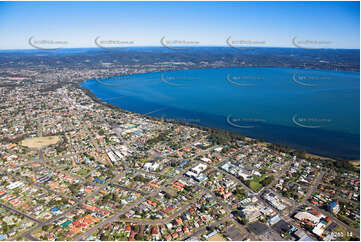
[{"x": 209, "y": 23}]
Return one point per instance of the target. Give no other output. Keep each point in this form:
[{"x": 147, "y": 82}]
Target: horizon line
[{"x": 174, "y": 48}]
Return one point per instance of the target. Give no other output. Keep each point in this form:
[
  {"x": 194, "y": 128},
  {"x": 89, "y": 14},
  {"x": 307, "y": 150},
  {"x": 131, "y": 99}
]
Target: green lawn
[
  {"x": 82, "y": 172},
  {"x": 255, "y": 183},
  {"x": 255, "y": 186}
]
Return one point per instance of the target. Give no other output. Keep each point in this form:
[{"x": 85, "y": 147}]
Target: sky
[{"x": 276, "y": 24}]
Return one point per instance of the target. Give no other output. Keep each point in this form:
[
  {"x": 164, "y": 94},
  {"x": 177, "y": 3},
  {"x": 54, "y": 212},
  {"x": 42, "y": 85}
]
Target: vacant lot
[
  {"x": 217, "y": 237},
  {"x": 40, "y": 142},
  {"x": 258, "y": 228}
]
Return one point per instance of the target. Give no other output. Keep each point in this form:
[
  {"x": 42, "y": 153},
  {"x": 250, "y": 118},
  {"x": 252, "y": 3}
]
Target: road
[
  {"x": 202, "y": 230},
  {"x": 312, "y": 188},
  {"x": 234, "y": 178},
  {"x": 130, "y": 189},
  {"x": 41, "y": 159},
  {"x": 145, "y": 196},
  {"x": 79, "y": 203},
  {"x": 19, "y": 212},
  {"x": 226, "y": 207},
  {"x": 305, "y": 201},
  {"x": 27, "y": 180},
  {"x": 336, "y": 220},
  {"x": 165, "y": 220},
  {"x": 115, "y": 217}
]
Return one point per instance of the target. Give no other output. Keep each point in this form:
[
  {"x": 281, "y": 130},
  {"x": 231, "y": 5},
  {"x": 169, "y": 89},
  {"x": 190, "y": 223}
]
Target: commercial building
[{"x": 334, "y": 207}]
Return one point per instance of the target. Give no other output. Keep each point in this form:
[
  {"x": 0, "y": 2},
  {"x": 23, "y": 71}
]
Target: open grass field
[
  {"x": 40, "y": 142},
  {"x": 255, "y": 186}
]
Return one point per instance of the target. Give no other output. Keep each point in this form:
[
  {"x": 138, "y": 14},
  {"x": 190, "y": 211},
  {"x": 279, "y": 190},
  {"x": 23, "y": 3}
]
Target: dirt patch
[
  {"x": 40, "y": 142},
  {"x": 216, "y": 237},
  {"x": 171, "y": 191}
]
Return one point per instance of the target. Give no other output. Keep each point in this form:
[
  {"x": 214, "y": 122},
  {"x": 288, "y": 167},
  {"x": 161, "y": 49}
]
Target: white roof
[
  {"x": 205, "y": 159},
  {"x": 199, "y": 168},
  {"x": 307, "y": 216},
  {"x": 319, "y": 229}
]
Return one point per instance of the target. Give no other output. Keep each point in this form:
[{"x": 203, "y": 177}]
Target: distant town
[{"x": 77, "y": 168}]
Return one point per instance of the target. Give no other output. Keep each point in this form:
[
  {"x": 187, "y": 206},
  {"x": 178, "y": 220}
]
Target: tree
[
  {"x": 188, "y": 188},
  {"x": 167, "y": 195},
  {"x": 45, "y": 227},
  {"x": 266, "y": 181},
  {"x": 5, "y": 228},
  {"x": 139, "y": 237}
]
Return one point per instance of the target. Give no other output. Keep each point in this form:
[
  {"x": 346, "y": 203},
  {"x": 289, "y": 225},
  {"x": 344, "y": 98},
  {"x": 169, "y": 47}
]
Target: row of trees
[{"x": 163, "y": 136}]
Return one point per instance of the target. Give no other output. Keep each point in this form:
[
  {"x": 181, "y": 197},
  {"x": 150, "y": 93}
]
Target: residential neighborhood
[{"x": 114, "y": 175}]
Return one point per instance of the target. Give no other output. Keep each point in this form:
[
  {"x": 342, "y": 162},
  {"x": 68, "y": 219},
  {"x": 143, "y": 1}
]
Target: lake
[{"x": 313, "y": 110}]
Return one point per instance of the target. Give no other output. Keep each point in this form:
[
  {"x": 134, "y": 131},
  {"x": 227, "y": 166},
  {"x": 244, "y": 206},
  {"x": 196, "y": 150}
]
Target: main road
[{"x": 115, "y": 217}]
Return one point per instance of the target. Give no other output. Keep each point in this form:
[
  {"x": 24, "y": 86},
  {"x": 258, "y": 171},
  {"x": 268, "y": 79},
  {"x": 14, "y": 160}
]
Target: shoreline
[
  {"x": 307, "y": 154},
  {"x": 225, "y": 67}
]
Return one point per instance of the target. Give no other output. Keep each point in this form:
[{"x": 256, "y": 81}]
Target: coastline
[
  {"x": 307, "y": 154},
  {"x": 231, "y": 67}
]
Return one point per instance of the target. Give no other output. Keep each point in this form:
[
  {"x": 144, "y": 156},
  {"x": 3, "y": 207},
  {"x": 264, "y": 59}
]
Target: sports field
[{"x": 40, "y": 142}]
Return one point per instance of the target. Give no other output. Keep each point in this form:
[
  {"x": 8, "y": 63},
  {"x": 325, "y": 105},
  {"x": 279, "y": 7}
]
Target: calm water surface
[{"x": 314, "y": 110}]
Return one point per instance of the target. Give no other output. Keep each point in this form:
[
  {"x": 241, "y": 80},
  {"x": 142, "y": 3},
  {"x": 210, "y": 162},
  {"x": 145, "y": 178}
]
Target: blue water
[{"x": 314, "y": 110}]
